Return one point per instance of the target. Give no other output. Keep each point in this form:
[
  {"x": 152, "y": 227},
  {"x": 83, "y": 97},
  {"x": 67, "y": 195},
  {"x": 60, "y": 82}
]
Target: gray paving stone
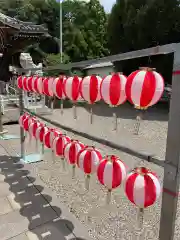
[
  {"x": 4, "y": 189},
  {"x": 12, "y": 224},
  {"x": 5, "y": 206},
  {"x": 22, "y": 236}
]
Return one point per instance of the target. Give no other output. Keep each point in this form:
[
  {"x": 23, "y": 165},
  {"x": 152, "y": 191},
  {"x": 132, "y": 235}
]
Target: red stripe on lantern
[
  {"x": 130, "y": 187},
  {"x": 114, "y": 89},
  {"x": 149, "y": 188},
  {"x": 148, "y": 89}
]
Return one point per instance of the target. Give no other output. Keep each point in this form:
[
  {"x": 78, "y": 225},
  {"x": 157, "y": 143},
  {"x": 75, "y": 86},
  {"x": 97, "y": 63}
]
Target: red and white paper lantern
[
  {"x": 22, "y": 118},
  {"x": 90, "y": 89},
  {"x": 112, "y": 89},
  {"x": 71, "y": 151},
  {"x": 48, "y": 86},
  {"x": 38, "y": 85},
  {"x": 58, "y": 87},
  {"x": 144, "y": 88},
  {"x": 59, "y": 143},
  {"x": 41, "y": 131},
  {"x": 30, "y": 82},
  {"x": 72, "y": 88},
  {"x": 111, "y": 173},
  {"x": 142, "y": 187},
  {"x": 50, "y": 136},
  {"x": 26, "y": 123},
  {"x": 33, "y": 128},
  {"x": 88, "y": 161},
  {"x": 20, "y": 82},
  {"x": 25, "y": 83}
]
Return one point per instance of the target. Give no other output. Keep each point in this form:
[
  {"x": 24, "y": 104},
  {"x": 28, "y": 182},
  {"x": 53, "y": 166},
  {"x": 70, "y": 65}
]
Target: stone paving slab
[
  {"x": 21, "y": 237},
  {"x": 4, "y": 189},
  {"x": 34, "y": 216},
  {"x": 5, "y": 206},
  {"x": 63, "y": 212},
  {"x": 12, "y": 224}
]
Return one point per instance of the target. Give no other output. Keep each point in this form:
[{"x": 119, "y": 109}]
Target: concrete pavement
[{"x": 28, "y": 210}]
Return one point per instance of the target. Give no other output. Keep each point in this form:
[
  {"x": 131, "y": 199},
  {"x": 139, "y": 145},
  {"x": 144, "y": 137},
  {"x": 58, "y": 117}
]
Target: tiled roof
[{"x": 22, "y": 26}]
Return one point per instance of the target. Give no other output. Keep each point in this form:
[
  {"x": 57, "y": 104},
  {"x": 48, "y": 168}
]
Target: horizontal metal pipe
[{"x": 146, "y": 157}]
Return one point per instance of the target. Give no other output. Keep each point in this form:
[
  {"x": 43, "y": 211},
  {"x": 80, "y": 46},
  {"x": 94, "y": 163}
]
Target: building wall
[{"x": 101, "y": 71}]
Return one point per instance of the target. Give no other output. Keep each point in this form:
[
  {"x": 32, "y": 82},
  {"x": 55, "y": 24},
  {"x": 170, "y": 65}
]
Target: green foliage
[
  {"x": 84, "y": 25},
  {"x": 143, "y": 23}
]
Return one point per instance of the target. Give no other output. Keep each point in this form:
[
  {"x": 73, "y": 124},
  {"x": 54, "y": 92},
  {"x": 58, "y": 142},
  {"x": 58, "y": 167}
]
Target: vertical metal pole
[
  {"x": 172, "y": 160},
  {"x": 1, "y": 124},
  {"x": 60, "y": 30},
  {"x": 22, "y": 135}
]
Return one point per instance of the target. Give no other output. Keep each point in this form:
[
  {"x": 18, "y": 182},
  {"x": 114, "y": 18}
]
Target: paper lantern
[
  {"x": 41, "y": 131},
  {"x": 30, "y": 82},
  {"x": 20, "y": 82},
  {"x": 144, "y": 88},
  {"x": 25, "y": 83},
  {"x": 48, "y": 86},
  {"x": 38, "y": 85},
  {"x": 26, "y": 123},
  {"x": 58, "y": 146},
  {"x": 33, "y": 131},
  {"x": 59, "y": 143},
  {"x": 72, "y": 90},
  {"x": 58, "y": 87},
  {"x": 49, "y": 137},
  {"x": 71, "y": 151},
  {"x": 88, "y": 161},
  {"x": 111, "y": 173},
  {"x": 142, "y": 187},
  {"x": 58, "y": 90},
  {"x": 22, "y": 118},
  {"x": 112, "y": 91},
  {"x": 90, "y": 89}
]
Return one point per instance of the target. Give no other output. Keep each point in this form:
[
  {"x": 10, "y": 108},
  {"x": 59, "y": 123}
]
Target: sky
[{"x": 107, "y": 4}]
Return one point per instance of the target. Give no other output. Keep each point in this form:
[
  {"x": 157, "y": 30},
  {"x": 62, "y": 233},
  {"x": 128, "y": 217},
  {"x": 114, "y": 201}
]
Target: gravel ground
[
  {"x": 119, "y": 219},
  {"x": 116, "y": 221},
  {"x": 153, "y": 129}
]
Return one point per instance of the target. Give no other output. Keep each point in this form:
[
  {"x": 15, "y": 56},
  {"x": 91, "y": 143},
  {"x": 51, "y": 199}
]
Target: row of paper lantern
[
  {"x": 143, "y": 88},
  {"x": 142, "y": 186}
]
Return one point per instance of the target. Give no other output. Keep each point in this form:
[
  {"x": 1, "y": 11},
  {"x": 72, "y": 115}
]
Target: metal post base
[
  {"x": 31, "y": 158},
  {"x": 4, "y": 136}
]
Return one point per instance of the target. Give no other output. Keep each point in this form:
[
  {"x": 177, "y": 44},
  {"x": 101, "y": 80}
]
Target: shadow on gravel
[
  {"x": 159, "y": 112},
  {"x": 45, "y": 221}
]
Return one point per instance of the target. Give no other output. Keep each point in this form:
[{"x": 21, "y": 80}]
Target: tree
[
  {"x": 84, "y": 25},
  {"x": 84, "y": 30},
  {"x": 143, "y": 23}
]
